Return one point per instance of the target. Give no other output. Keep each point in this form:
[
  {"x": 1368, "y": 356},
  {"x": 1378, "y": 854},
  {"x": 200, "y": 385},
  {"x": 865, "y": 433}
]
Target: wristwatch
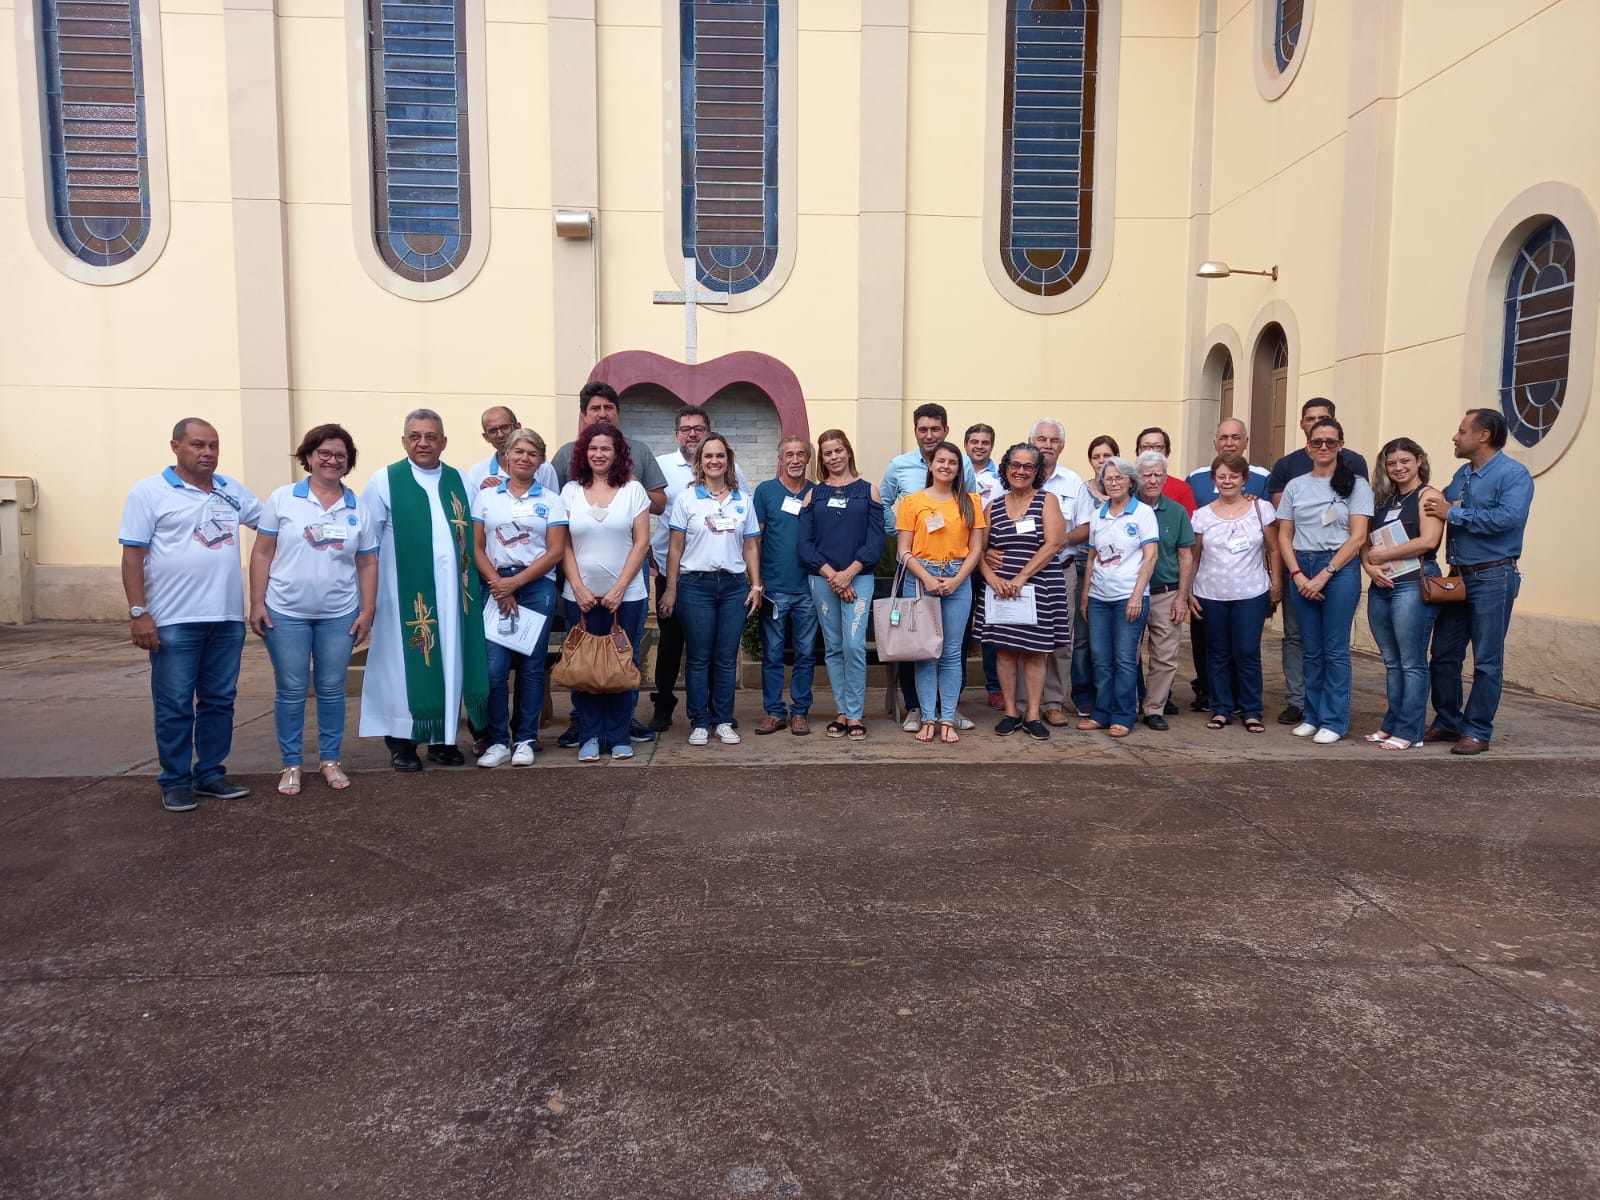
[{"x": 137, "y": 611}]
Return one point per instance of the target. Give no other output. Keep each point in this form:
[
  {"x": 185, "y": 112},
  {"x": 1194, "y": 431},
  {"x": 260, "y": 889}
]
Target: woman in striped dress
[{"x": 1026, "y": 525}]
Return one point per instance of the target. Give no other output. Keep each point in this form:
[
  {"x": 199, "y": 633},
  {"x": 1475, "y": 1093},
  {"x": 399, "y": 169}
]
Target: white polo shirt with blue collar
[
  {"x": 714, "y": 531},
  {"x": 191, "y": 567},
  {"x": 313, "y": 574},
  {"x": 1118, "y": 542},
  {"x": 515, "y": 527}
]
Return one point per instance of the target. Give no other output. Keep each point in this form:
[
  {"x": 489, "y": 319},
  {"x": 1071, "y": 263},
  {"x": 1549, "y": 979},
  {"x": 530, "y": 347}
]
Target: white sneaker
[
  {"x": 1326, "y": 737},
  {"x": 964, "y": 723},
  {"x": 522, "y": 756},
  {"x": 913, "y": 721},
  {"x": 1304, "y": 729},
  {"x": 727, "y": 734},
  {"x": 699, "y": 735},
  {"x": 497, "y": 755},
  {"x": 625, "y": 751}
]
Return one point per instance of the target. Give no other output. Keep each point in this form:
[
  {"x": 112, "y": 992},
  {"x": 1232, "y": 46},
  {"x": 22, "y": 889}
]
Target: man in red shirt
[{"x": 1175, "y": 489}]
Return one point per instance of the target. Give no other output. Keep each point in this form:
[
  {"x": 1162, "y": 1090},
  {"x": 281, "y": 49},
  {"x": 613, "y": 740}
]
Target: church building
[{"x": 805, "y": 214}]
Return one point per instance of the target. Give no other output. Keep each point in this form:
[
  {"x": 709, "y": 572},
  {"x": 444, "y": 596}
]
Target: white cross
[{"x": 691, "y": 298}]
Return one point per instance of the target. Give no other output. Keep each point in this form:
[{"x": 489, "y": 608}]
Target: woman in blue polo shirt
[
  {"x": 714, "y": 561},
  {"x": 519, "y": 532},
  {"x": 313, "y": 592},
  {"x": 1123, "y": 541}
]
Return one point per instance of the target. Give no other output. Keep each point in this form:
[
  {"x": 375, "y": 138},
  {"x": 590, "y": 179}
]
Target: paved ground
[{"x": 1193, "y": 965}]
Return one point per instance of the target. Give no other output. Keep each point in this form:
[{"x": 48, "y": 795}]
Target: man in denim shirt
[
  {"x": 1485, "y": 510},
  {"x": 787, "y": 607}
]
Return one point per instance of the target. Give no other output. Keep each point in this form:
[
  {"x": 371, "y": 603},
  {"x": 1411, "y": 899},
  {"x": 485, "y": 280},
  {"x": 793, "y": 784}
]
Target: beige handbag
[
  {"x": 596, "y": 662},
  {"x": 907, "y": 628}
]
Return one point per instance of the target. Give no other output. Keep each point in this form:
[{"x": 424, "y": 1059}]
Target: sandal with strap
[
  {"x": 948, "y": 734},
  {"x": 925, "y": 732},
  {"x": 1218, "y": 722},
  {"x": 289, "y": 782},
  {"x": 857, "y": 731},
  {"x": 1254, "y": 725},
  {"x": 1395, "y": 743},
  {"x": 836, "y": 729},
  {"x": 334, "y": 774}
]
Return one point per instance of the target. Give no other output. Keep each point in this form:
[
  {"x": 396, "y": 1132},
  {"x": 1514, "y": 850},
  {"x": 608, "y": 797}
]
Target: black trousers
[{"x": 669, "y": 652}]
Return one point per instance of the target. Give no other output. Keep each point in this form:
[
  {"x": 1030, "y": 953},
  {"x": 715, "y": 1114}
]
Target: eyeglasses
[
  {"x": 497, "y": 430},
  {"x": 1324, "y": 443},
  {"x": 694, "y": 429},
  {"x": 331, "y": 456},
  {"x": 1030, "y": 468}
]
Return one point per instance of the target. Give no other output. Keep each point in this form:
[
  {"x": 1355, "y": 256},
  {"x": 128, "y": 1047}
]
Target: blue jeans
[
  {"x": 1116, "y": 660},
  {"x": 194, "y": 678},
  {"x": 540, "y": 596},
  {"x": 1325, "y": 640},
  {"x": 1483, "y": 619},
  {"x": 1293, "y": 652},
  {"x": 844, "y": 637},
  {"x": 312, "y": 652},
  {"x": 786, "y": 611},
  {"x": 1233, "y": 652},
  {"x": 939, "y": 680},
  {"x": 604, "y": 716},
  {"x": 1402, "y": 625},
  {"x": 711, "y": 610}
]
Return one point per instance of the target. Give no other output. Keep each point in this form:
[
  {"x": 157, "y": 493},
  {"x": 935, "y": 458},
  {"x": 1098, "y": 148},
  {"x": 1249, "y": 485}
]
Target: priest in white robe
[{"x": 427, "y": 654}]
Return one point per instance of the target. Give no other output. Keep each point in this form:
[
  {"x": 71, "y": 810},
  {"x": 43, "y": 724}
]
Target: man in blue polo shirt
[
  {"x": 1485, "y": 511},
  {"x": 787, "y": 604},
  {"x": 181, "y": 573}
]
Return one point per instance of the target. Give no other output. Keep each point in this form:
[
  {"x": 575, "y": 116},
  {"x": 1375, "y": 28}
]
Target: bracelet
[{"x": 1297, "y": 573}]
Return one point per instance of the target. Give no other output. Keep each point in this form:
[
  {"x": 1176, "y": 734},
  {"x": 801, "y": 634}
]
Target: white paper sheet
[
  {"x": 524, "y": 635},
  {"x": 1024, "y": 610}
]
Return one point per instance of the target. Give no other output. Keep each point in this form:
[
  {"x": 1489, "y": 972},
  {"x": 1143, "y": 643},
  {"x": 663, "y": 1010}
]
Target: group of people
[{"x": 1059, "y": 579}]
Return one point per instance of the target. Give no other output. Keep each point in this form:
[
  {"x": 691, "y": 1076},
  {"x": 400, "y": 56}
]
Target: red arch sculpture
[{"x": 695, "y": 383}]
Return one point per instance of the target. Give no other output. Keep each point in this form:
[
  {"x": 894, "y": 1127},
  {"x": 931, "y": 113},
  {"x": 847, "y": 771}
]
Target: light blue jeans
[
  {"x": 939, "y": 680},
  {"x": 316, "y": 653},
  {"x": 844, "y": 637},
  {"x": 1325, "y": 640},
  {"x": 1116, "y": 659},
  {"x": 1402, "y": 625}
]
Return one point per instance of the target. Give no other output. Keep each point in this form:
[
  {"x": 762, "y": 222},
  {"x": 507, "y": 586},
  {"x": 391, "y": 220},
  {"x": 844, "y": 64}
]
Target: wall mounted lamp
[
  {"x": 1221, "y": 270},
  {"x": 574, "y": 223}
]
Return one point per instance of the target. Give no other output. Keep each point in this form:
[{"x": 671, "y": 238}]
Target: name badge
[
  {"x": 522, "y": 508},
  {"x": 1329, "y": 516},
  {"x": 1239, "y": 545},
  {"x": 935, "y": 522},
  {"x": 1027, "y": 525},
  {"x": 792, "y": 506},
  {"x": 723, "y": 524},
  {"x": 839, "y": 502}
]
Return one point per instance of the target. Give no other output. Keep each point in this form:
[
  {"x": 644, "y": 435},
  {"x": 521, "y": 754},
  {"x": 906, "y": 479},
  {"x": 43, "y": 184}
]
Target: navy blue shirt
[
  {"x": 1205, "y": 488},
  {"x": 780, "y": 536},
  {"x": 841, "y": 526},
  {"x": 1298, "y": 462},
  {"x": 1488, "y": 511}
]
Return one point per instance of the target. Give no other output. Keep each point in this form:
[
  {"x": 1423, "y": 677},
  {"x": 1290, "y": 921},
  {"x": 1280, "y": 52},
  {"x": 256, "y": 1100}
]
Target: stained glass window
[
  {"x": 95, "y": 119},
  {"x": 1289, "y": 16},
  {"x": 728, "y": 58},
  {"x": 417, "y": 74},
  {"x": 1048, "y": 142},
  {"x": 1538, "y": 333}
]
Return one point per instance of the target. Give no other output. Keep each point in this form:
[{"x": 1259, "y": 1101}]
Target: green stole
[{"x": 412, "y": 523}]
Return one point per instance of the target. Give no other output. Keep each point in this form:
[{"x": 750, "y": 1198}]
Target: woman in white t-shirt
[
  {"x": 313, "y": 594},
  {"x": 608, "y": 535},
  {"x": 519, "y": 531},
  {"x": 714, "y": 561},
  {"x": 1123, "y": 541},
  {"x": 1236, "y": 587},
  {"x": 1322, "y": 527}
]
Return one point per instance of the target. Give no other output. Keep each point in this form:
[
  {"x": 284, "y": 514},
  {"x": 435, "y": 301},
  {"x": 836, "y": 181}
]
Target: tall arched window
[
  {"x": 423, "y": 231},
  {"x": 1049, "y": 214},
  {"x": 732, "y": 174},
  {"x": 97, "y": 196},
  {"x": 1538, "y": 332}
]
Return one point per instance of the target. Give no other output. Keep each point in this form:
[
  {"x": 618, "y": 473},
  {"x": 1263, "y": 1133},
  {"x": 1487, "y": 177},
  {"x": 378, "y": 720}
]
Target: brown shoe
[
  {"x": 1055, "y": 716},
  {"x": 799, "y": 726},
  {"x": 771, "y": 724},
  {"x": 1469, "y": 745},
  {"x": 1433, "y": 735}
]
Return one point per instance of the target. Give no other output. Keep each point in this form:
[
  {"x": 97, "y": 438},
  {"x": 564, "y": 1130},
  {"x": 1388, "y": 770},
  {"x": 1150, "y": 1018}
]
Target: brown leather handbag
[
  {"x": 1443, "y": 589},
  {"x": 596, "y": 662}
]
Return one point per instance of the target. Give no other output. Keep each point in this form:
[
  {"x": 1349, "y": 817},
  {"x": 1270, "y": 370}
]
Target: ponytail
[{"x": 1344, "y": 479}]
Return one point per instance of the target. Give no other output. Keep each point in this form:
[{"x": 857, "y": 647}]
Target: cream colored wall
[
  {"x": 1112, "y": 365},
  {"x": 122, "y": 362}
]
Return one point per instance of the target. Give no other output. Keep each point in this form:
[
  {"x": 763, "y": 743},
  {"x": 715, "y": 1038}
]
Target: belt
[
  {"x": 1165, "y": 587},
  {"x": 1468, "y": 568}
]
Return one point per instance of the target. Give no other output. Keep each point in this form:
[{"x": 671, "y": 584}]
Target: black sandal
[
  {"x": 1254, "y": 725},
  {"x": 858, "y": 731},
  {"x": 1217, "y": 722},
  {"x": 836, "y": 729}
]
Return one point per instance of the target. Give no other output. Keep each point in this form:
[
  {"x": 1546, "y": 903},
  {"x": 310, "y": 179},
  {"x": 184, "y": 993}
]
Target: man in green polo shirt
[{"x": 1169, "y": 585}]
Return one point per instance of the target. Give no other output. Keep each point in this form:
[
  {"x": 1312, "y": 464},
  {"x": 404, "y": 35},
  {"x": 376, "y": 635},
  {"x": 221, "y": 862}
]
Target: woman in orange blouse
[{"x": 941, "y": 537}]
